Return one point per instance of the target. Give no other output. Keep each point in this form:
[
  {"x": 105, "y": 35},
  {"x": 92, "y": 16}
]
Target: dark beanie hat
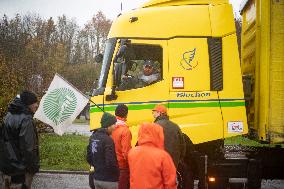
[
  {"x": 121, "y": 110},
  {"x": 107, "y": 120},
  {"x": 28, "y": 98}
]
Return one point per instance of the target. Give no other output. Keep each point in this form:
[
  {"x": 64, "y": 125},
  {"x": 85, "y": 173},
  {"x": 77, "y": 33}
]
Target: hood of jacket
[
  {"x": 151, "y": 134},
  {"x": 18, "y": 107}
]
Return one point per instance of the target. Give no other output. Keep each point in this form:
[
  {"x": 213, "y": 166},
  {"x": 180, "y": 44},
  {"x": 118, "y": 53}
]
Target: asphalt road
[
  {"x": 75, "y": 181},
  {"x": 60, "y": 181}
]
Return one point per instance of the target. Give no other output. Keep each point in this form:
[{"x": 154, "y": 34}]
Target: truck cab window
[
  {"x": 107, "y": 57},
  {"x": 142, "y": 66}
]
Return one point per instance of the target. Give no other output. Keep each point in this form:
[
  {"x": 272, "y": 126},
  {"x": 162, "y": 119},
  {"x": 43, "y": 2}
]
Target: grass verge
[
  {"x": 244, "y": 141},
  {"x": 67, "y": 152}
]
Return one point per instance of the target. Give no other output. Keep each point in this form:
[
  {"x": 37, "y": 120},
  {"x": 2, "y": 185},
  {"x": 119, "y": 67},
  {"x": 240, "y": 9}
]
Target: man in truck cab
[
  {"x": 147, "y": 76},
  {"x": 150, "y": 75}
]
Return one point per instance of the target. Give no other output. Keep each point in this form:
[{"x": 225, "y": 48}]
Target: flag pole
[{"x": 96, "y": 105}]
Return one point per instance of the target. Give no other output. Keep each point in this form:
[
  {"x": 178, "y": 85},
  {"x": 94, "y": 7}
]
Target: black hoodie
[
  {"x": 101, "y": 155},
  {"x": 21, "y": 140}
]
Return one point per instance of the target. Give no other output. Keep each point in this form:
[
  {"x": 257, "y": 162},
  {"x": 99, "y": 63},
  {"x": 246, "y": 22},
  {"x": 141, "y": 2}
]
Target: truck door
[
  {"x": 193, "y": 104},
  {"x": 140, "y": 93}
]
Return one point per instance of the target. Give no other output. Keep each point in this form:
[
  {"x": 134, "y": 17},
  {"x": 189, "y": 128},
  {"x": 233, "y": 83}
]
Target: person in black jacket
[
  {"x": 19, "y": 155},
  {"x": 174, "y": 143},
  {"x": 101, "y": 155}
]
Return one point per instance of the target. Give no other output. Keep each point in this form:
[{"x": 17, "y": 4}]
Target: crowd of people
[{"x": 152, "y": 163}]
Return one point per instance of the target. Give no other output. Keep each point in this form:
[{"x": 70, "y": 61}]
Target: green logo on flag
[{"x": 59, "y": 105}]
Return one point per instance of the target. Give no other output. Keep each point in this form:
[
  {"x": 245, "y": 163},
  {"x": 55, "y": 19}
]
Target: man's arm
[
  {"x": 126, "y": 143},
  {"x": 28, "y": 145}
]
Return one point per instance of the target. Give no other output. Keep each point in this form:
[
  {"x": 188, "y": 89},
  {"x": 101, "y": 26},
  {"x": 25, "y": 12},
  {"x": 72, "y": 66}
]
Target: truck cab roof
[
  {"x": 181, "y": 2},
  {"x": 164, "y": 19}
]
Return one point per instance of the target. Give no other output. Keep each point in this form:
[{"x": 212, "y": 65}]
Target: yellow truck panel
[
  {"x": 150, "y": 23},
  {"x": 263, "y": 67},
  {"x": 161, "y": 3},
  {"x": 197, "y": 50},
  {"x": 193, "y": 44}
]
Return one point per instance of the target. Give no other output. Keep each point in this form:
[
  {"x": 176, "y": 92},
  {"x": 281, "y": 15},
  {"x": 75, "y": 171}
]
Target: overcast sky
[{"x": 81, "y": 10}]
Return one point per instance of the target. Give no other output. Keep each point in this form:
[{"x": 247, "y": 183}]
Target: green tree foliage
[{"x": 33, "y": 49}]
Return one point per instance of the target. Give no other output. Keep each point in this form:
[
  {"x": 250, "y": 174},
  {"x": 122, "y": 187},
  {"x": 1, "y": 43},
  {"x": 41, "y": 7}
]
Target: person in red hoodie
[
  {"x": 122, "y": 141},
  {"x": 151, "y": 167}
]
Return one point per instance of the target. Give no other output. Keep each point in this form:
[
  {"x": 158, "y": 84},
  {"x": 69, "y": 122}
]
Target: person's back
[
  {"x": 174, "y": 143},
  {"x": 21, "y": 160},
  {"x": 122, "y": 140},
  {"x": 150, "y": 166},
  {"x": 101, "y": 155},
  {"x": 122, "y": 136},
  {"x": 105, "y": 165}
]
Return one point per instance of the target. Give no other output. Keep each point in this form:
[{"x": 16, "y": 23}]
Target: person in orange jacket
[
  {"x": 122, "y": 140},
  {"x": 151, "y": 167}
]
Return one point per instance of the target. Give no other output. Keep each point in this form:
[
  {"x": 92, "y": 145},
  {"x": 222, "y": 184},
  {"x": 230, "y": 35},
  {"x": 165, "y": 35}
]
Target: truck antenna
[{"x": 121, "y": 6}]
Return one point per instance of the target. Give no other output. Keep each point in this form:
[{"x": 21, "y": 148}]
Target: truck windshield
[{"x": 108, "y": 54}]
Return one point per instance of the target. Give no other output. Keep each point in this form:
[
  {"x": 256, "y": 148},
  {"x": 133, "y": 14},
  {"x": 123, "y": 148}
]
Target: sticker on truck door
[
  {"x": 187, "y": 61},
  {"x": 235, "y": 127},
  {"x": 178, "y": 83}
]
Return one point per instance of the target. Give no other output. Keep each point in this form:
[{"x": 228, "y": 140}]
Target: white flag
[{"x": 60, "y": 106}]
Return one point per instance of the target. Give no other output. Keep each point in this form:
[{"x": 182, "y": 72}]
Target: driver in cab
[{"x": 148, "y": 76}]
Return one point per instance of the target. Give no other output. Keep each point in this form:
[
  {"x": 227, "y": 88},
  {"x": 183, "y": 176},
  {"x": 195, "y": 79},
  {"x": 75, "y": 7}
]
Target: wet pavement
[
  {"x": 79, "y": 129},
  {"x": 79, "y": 181},
  {"x": 60, "y": 181}
]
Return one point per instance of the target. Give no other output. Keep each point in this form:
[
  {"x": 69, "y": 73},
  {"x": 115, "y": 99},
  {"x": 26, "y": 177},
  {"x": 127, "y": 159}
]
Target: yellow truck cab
[{"x": 193, "y": 47}]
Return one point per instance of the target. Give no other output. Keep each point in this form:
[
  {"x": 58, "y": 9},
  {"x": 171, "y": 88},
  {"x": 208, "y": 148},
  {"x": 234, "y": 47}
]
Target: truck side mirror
[
  {"x": 117, "y": 74},
  {"x": 99, "y": 58}
]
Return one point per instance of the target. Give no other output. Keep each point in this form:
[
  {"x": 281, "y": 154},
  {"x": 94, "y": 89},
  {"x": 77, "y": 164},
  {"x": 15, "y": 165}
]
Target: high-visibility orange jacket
[
  {"x": 122, "y": 141},
  {"x": 151, "y": 167}
]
